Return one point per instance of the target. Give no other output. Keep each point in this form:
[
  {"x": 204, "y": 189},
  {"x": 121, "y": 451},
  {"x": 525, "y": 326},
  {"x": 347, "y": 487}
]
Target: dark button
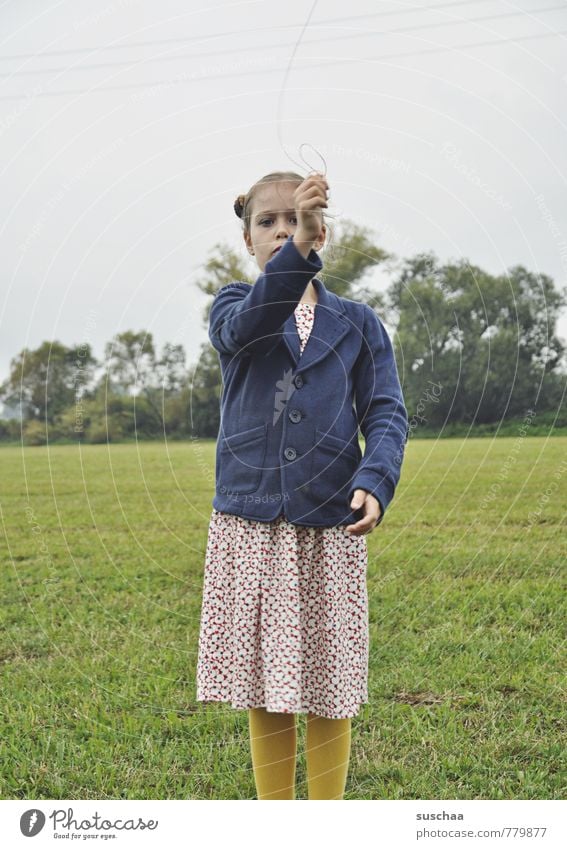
[
  {"x": 298, "y": 380},
  {"x": 295, "y": 415},
  {"x": 290, "y": 453}
]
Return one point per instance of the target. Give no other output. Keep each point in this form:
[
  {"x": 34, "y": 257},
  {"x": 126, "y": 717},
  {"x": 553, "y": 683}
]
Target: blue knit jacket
[{"x": 288, "y": 439}]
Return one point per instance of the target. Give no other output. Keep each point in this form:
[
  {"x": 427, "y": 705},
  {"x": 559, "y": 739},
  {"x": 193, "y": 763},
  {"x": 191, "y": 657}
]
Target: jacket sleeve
[
  {"x": 381, "y": 413},
  {"x": 245, "y": 317}
]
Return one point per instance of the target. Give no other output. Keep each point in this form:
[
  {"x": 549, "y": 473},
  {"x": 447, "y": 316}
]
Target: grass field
[{"x": 102, "y": 566}]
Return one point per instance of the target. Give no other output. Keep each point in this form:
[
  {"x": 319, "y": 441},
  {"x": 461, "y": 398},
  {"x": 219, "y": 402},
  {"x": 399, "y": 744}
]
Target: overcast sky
[{"x": 127, "y": 129}]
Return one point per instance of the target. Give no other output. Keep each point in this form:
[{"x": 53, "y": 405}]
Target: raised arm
[{"x": 245, "y": 318}]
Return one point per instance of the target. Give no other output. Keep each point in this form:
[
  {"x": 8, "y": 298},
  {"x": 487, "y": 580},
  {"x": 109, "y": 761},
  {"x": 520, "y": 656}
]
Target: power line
[
  {"x": 186, "y": 39},
  {"x": 331, "y": 62},
  {"x": 325, "y": 39}
]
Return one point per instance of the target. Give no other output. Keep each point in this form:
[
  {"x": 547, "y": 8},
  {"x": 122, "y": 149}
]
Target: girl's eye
[{"x": 268, "y": 220}]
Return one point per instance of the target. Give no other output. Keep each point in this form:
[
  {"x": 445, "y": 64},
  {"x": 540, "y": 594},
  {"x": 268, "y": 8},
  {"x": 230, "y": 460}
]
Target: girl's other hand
[
  {"x": 372, "y": 511},
  {"x": 309, "y": 198}
]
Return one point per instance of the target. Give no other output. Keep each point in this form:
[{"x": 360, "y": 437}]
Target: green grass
[{"x": 102, "y": 567}]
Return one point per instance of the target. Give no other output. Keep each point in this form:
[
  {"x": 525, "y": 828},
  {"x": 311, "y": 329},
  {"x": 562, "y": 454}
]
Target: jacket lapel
[{"x": 329, "y": 327}]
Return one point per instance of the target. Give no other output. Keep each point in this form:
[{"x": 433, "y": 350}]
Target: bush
[
  {"x": 104, "y": 429},
  {"x": 34, "y": 433}
]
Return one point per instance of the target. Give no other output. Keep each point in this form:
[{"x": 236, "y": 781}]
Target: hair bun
[{"x": 239, "y": 205}]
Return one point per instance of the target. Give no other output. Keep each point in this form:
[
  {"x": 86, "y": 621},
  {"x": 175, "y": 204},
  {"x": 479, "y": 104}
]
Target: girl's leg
[
  {"x": 273, "y": 744},
  {"x": 327, "y": 750}
]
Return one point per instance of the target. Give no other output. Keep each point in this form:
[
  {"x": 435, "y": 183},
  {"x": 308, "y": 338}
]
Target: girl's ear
[
  {"x": 248, "y": 241},
  {"x": 322, "y": 236}
]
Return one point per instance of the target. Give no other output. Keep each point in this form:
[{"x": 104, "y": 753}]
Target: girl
[{"x": 284, "y": 617}]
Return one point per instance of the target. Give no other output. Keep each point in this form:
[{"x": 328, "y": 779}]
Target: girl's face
[{"x": 273, "y": 220}]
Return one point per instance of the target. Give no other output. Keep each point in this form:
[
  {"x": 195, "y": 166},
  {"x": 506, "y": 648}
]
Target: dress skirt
[{"x": 284, "y": 614}]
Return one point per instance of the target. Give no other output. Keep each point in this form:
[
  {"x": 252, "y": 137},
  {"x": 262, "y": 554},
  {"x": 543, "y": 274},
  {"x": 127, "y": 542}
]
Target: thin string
[
  {"x": 278, "y": 124},
  {"x": 319, "y": 154}
]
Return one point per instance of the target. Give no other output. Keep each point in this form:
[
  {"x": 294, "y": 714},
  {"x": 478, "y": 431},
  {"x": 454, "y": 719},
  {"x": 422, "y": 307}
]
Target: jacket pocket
[
  {"x": 333, "y": 465},
  {"x": 241, "y": 460}
]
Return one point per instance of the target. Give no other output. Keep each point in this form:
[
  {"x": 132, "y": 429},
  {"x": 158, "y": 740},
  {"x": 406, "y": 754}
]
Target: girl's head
[{"x": 268, "y": 215}]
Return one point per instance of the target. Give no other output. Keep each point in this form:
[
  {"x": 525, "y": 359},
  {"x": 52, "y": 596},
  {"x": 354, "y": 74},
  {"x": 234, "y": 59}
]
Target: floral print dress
[{"x": 284, "y": 614}]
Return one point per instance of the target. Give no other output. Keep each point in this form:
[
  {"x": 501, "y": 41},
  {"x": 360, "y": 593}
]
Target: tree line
[{"x": 473, "y": 349}]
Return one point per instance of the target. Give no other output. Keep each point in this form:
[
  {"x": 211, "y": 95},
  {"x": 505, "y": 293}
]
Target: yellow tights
[{"x": 273, "y": 743}]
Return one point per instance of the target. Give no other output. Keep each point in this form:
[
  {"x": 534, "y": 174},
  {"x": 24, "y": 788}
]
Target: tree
[
  {"x": 223, "y": 266},
  {"x": 134, "y": 369},
  {"x": 130, "y": 360},
  {"x": 348, "y": 259},
  {"x": 487, "y": 342},
  {"x": 204, "y": 394},
  {"x": 48, "y": 379}
]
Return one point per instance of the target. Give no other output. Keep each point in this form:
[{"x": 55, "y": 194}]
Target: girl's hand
[
  {"x": 372, "y": 512},
  {"x": 309, "y": 198}
]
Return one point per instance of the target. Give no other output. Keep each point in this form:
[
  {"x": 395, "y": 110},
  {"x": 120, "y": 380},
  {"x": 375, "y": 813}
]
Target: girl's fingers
[
  {"x": 313, "y": 204},
  {"x": 316, "y": 179},
  {"x": 314, "y": 191},
  {"x": 318, "y": 198},
  {"x": 311, "y": 194},
  {"x": 317, "y": 184}
]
